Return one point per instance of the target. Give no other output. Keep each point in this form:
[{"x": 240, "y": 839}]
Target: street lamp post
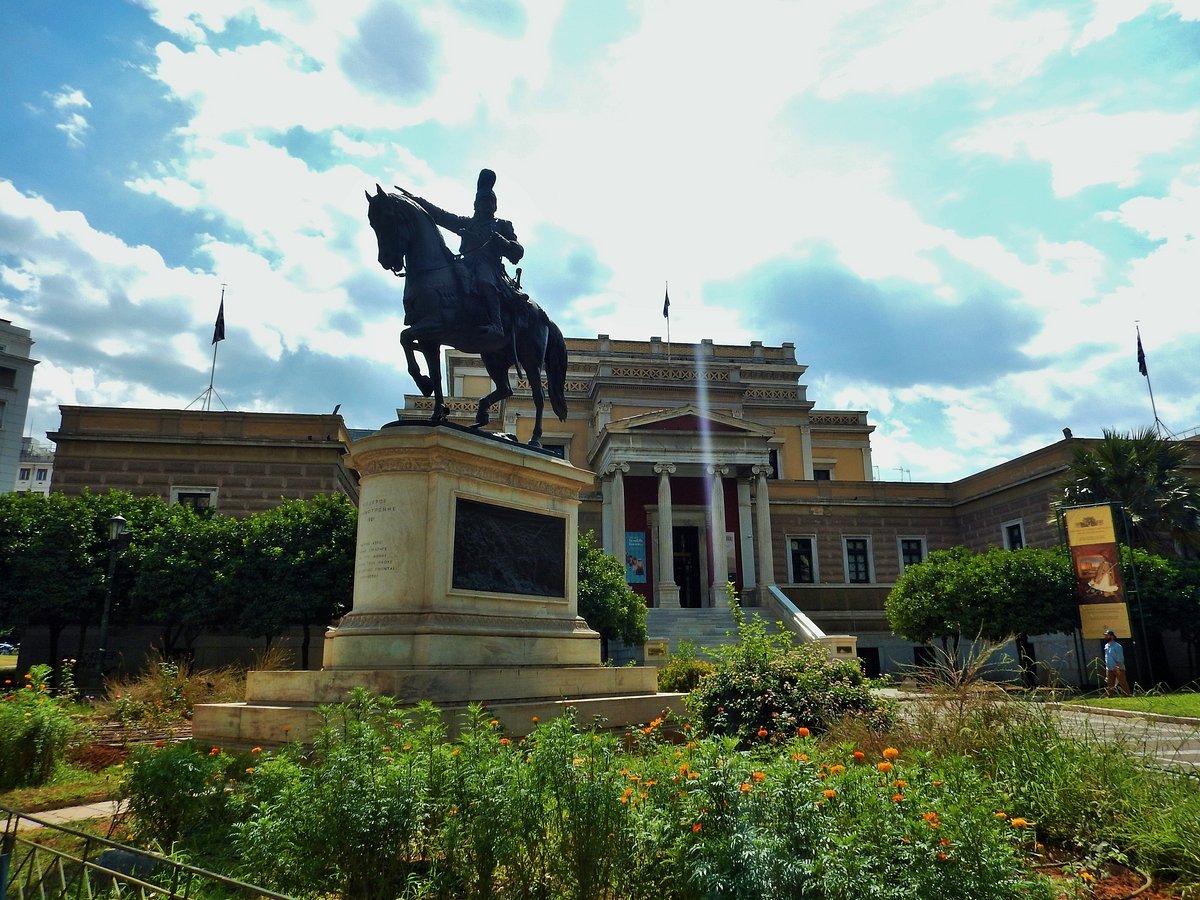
[{"x": 117, "y": 535}]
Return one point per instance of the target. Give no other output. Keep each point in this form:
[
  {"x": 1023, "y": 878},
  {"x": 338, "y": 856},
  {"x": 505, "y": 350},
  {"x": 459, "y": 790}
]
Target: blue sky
[{"x": 957, "y": 212}]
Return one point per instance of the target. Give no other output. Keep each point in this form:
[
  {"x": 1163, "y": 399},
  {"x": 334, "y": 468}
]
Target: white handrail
[{"x": 792, "y": 617}]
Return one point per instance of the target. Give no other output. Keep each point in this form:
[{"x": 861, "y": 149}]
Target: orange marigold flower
[
  {"x": 896, "y": 798},
  {"x": 762, "y": 732},
  {"x": 884, "y": 766},
  {"x": 859, "y": 756},
  {"x": 250, "y": 770},
  {"x": 505, "y": 741},
  {"x": 160, "y": 743},
  {"x": 759, "y": 776},
  {"x": 455, "y": 751},
  {"x": 214, "y": 751},
  {"x": 829, "y": 793},
  {"x": 929, "y": 816},
  {"x": 837, "y": 769},
  {"x": 693, "y": 774},
  {"x": 745, "y": 787},
  {"x": 1001, "y": 815},
  {"x": 938, "y": 783},
  {"x": 945, "y": 842},
  {"x": 900, "y": 783},
  {"x": 256, "y": 750},
  {"x": 890, "y": 752},
  {"x": 696, "y": 827},
  {"x": 534, "y": 719},
  {"x": 1018, "y": 822},
  {"x": 803, "y": 732},
  {"x": 1087, "y": 876},
  {"x": 623, "y": 772},
  {"x": 624, "y": 799},
  {"x": 942, "y": 855},
  {"x": 494, "y": 722}
]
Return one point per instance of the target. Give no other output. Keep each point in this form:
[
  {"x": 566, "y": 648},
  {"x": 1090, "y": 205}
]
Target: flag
[
  {"x": 666, "y": 304},
  {"x": 219, "y": 328},
  {"x": 1142, "y": 358}
]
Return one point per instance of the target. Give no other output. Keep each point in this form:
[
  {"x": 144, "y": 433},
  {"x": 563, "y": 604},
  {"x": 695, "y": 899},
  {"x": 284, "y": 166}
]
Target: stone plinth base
[{"x": 247, "y": 725}]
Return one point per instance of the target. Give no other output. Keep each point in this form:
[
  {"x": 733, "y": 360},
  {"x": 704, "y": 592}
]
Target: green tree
[
  {"x": 1145, "y": 475},
  {"x": 928, "y": 600},
  {"x": 297, "y": 567},
  {"x": 995, "y": 596},
  {"x": 606, "y": 601},
  {"x": 184, "y": 566}
]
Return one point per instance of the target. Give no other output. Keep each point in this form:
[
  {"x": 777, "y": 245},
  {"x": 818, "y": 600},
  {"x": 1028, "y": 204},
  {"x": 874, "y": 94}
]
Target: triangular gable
[{"x": 688, "y": 418}]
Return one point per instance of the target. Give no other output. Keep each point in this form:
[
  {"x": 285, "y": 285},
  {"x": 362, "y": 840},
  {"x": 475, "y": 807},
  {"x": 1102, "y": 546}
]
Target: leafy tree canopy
[{"x": 606, "y": 601}]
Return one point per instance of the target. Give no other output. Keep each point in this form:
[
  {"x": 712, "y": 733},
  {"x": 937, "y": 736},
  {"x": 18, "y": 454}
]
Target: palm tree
[{"x": 1144, "y": 474}]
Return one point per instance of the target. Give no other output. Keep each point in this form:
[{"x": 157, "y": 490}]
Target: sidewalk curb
[{"x": 1128, "y": 714}]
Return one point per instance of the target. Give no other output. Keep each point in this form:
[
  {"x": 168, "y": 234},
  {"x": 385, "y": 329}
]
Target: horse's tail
[{"x": 556, "y": 369}]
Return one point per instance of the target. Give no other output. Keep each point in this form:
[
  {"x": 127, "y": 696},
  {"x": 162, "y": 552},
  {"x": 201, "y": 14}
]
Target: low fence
[{"x": 39, "y": 859}]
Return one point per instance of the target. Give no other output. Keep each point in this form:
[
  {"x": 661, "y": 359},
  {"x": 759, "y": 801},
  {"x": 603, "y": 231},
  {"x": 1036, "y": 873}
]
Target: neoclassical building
[{"x": 711, "y": 464}]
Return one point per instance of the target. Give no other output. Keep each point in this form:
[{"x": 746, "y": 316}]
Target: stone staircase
[{"x": 709, "y": 627}]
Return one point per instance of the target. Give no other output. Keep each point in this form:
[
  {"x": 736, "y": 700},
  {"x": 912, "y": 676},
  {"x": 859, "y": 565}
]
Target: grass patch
[
  {"x": 70, "y": 786},
  {"x": 1187, "y": 704}
]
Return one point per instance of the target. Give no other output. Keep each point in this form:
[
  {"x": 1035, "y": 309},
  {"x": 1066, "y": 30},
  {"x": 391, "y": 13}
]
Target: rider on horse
[{"x": 485, "y": 240}]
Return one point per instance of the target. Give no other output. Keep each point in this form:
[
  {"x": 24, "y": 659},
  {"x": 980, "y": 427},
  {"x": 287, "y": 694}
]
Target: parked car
[{"x": 7, "y": 648}]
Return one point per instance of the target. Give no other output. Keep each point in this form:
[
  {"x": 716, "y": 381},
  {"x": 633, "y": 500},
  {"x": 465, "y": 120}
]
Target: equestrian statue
[{"x": 467, "y": 301}]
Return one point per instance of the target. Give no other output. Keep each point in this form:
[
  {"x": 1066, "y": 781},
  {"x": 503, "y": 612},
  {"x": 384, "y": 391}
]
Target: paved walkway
[{"x": 69, "y": 815}]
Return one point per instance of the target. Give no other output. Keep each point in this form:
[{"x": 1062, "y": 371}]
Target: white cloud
[
  {"x": 67, "y": 103},
  {"x": 1083, "y": 146}
]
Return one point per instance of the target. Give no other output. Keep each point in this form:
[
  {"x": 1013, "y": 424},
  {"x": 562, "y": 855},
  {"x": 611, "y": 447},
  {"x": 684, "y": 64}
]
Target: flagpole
[
  {"x": 1146, "y": 372},
  {"x": 667, "y": 315},
  {"x": 218, "y": 336}
]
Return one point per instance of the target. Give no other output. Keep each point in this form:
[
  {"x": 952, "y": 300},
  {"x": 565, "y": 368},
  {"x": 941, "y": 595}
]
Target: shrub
[
  {"x": 34, "y": 731},
  {"x": 684, "y": 669},
  {"x": 178, "y": 792},
  {"x": 766, "y": 687},
  {"x": 164, "y": 694}
]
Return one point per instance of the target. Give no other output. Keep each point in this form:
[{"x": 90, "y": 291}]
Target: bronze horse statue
[{"x": 439, "y": 312}]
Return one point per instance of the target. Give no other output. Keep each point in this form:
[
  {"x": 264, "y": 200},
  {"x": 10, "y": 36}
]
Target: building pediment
[{"x": 687, "y": 419}]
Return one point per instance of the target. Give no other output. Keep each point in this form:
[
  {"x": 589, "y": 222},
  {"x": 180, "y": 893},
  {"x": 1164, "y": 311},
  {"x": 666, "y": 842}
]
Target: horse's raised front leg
[
  {"x": 497, "y": 369},
  {"x": 433, "y": 361},
  {"x": 424, "y": 383}
]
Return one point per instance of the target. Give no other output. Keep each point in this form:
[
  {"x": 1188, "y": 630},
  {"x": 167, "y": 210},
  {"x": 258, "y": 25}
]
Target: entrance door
[{"x": 686, "y": 543}]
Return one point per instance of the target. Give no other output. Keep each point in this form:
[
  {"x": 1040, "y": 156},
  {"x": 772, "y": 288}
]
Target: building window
[
  {"x": 41, "y": 474},
  {"x": 857, "y": 552},
  {"x": 195, "y": 497},
  {"x": 24, "y": 476},
  {"x": 8, "y": 378},
  {"x": 773, "y": 462},
  {"x": 1014, "y": 534},
  {"x": 912, "y": 551},
  {"x": 802, "y": 559},
  {"x": 559, "y": 449},
  {"x": 822, "y": 474}
]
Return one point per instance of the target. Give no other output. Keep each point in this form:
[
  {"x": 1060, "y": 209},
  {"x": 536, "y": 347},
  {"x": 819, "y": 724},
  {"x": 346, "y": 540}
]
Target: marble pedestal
[{"x": 464, "y": 591}]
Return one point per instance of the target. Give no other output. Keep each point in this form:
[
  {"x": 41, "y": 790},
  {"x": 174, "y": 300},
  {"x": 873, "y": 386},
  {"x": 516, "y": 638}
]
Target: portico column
[
  {"x": 716, "y": 506},
  {"x": 762, "y": 519},
  {"x": 666, "y": 591},
  {"x": 746, "y": 536},
  {"x": 617, "y": 538}
]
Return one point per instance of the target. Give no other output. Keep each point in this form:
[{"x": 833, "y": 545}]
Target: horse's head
[{"x": 390, "y": 227}]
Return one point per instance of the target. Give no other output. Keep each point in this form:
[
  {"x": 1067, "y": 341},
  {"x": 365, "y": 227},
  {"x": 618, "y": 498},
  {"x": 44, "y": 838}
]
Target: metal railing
[{"x": 39, "y": 859}]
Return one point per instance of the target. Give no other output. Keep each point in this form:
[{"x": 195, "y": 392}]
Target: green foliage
[
  {"x": 184, "y": 565},
  {"x": 296, "y": 566},
  {"x": 606, "y": 601},
  {"x": 34, "y": 731},
  {"x": 1146, "y": 476},
  {"x": 766, "y": 686},
  {"x": 993, "y": 595},
  {"x": 178, "y": 792},
  {"x": 684, "y": 670}
]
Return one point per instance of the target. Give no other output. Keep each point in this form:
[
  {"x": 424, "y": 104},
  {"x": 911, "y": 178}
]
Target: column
[
  {"x": 762, "y": 519},
  {"x": 806, "y": 449},
  {"x": 746, "y": 537},
  {"x": 617, "y": 537},
  {"x": 868, "y": 464},
  {"x": 716, "y": 515},
  {"x": 666, "y": 591},
  {"x": 605, "y": 535}
]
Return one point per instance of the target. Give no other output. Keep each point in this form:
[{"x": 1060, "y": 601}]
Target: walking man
[{"x": 1114, "y": 665}]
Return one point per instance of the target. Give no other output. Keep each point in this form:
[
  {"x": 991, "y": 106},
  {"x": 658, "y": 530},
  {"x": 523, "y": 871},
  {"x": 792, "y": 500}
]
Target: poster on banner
[
  {"x": 635, "y": 557},
  {"x": 1096, "y": 566}
]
